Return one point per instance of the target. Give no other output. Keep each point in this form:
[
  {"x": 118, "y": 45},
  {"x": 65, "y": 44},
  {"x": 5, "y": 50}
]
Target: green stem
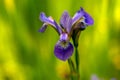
[
  {"x": 77, "y": 59},
  {"x": 77, "y": 62},
  {"x": 72, "y": 69},
  {"x": 75, "y": 37}
]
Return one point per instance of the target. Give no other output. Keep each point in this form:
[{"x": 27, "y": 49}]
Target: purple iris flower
[{"x": 63, "y": 48}]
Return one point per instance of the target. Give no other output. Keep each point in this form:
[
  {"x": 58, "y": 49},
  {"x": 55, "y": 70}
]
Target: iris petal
[
  {"x": 63, "y": 52},
  {"x": 49, "y": 21},
  {"x": 82, "y": 19},
  {"x": 66, "y": 21},
  {"x": 88, "y": 19},
  {"x": 43, "y": 28},
  {"x": 82, "y": 14},
  {"x": 77, "y": 16}
]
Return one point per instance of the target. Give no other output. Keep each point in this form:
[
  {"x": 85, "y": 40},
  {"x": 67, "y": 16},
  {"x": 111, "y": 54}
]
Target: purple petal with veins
[
  {"x": 58, "y": 28},
  {"x": 63, "y": 51},
  {"x": 49, "y": 21},
  {"x": 88, "y": 19},
  {"x": 66, "y": 21},
  {"x": 82, "y": 19}
]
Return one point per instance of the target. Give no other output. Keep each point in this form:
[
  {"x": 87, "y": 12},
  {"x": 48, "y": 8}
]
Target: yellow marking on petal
[{"x": 51, "y": 18}]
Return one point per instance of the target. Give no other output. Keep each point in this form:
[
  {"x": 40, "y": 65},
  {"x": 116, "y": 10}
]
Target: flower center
[
  {"x": 64, "y": 37},
  {"x": 63, "y": 44},
  {"x": 63, "y": 40}
]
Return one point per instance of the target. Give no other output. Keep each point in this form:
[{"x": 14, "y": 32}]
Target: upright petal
[
  {"x": 77, "y": 16},
  {"x": 63, "y": 51},
  {"x": 84, "y": 16},
  {"x": 82, "y": 19},
  {"x": 66, "y": 21}
]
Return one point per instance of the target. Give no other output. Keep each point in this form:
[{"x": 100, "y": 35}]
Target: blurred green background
[{"x": 26, "y": 54}]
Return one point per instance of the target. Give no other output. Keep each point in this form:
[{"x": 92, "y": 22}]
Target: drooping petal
[
  {"x": 66, "y": 21},
  {"x": 87, "y": 18},
  {"x": 49, "y": 21},
  {"x": 43, "y": 28},
  {"x": 63, "y": 51}
]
